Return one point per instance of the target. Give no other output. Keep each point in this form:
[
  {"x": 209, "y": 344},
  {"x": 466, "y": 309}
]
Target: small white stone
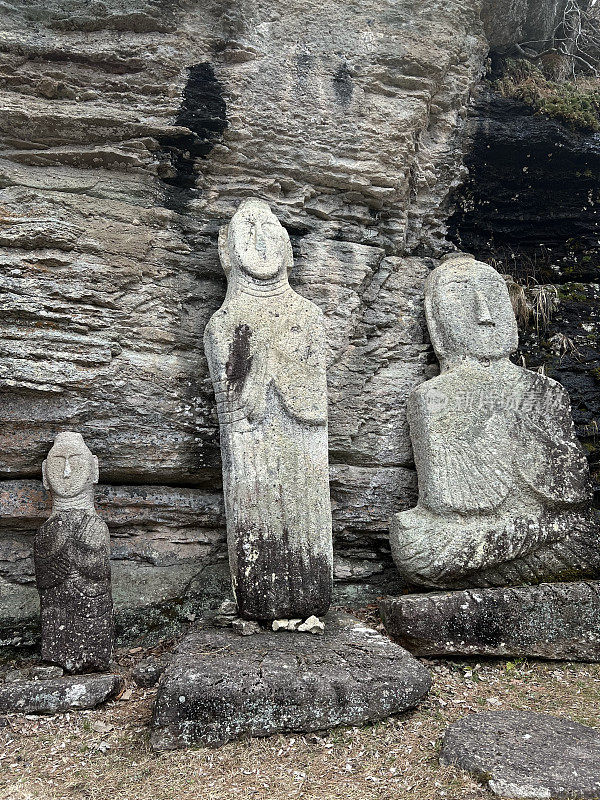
[
  {"x": 312, "y": 625},
  {"x": 280, "y": 624}
]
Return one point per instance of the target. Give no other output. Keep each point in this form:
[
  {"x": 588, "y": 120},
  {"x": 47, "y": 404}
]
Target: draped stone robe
[
  {"x": 72, "y": 569},
  {"x": 504, "y": 486},
  {"x": 266, "y": 352}
]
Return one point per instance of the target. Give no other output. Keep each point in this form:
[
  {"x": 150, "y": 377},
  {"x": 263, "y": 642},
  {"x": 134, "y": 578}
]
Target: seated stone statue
[
  {"x": 504, "y": 489},
  {"x": 72, "y": 566}
]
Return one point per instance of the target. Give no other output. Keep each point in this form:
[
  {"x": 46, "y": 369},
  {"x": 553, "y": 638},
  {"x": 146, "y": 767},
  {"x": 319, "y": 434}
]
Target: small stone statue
[
  {"x": 72, "y": 566},
  {"x": 504, "y": 487},
  {"x": 266, "y": 352}
]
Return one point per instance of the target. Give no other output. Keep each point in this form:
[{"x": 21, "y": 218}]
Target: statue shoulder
[
  {"x": 93, "y": 533},
  {"x": 429, "y": 395},
  {"x": 308, "y": 309}
]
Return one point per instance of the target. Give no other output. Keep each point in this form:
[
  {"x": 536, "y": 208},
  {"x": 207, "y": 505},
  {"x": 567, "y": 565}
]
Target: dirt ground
[{"x": 104, "y": 754}]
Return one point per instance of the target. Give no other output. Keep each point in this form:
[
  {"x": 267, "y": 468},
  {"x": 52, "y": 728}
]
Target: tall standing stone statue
[
  {"x": 266, "y": 353},
  {"x": 72, "y": 566},
  {"x": 504, "y": 489}
]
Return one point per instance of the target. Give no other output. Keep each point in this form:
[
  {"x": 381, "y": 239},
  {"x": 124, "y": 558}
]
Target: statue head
[
  {"x": 70, "y": 469},
  {"x": 469, "y": 313},
  {"x": 255, "y": 243}
]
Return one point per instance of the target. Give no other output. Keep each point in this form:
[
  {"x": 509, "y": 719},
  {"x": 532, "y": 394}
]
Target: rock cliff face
[{"x": 131, "y": 131}]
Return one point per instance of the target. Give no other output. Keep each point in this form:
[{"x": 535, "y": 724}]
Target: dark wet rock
[
  {"x": 526, "y": 202},
  {"x": 58, "y": 694},
  {"x": 148, "y": 671},
  {"x": 521, "y": 754},
  {"x": 221, "y": 686},
  {"x": 552, "y": 620}
]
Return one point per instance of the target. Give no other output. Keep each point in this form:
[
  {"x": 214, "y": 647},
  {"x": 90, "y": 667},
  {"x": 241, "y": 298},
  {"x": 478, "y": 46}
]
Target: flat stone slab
[
  {"x": 522, "y": 754},
  {"x": 58, "y": 695},
  {"x": 222, "y": 686},
  {"x": 552, "y": 620}
]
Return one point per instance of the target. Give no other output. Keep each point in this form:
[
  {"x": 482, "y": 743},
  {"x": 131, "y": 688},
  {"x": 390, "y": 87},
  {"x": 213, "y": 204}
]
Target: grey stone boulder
[
  {"x": 58, "y": 695},
  {"x": 552, "y": 620},
  {"x": 522, "y": 754},
  {"x": 221, "y": 686},
  {"x": 149, "y": 670}
]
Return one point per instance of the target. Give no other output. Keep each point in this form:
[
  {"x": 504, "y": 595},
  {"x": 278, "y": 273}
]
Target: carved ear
[
  {"x": 288, "y": 255},
  {"x": 95, "y": 470},
  {"x": 224, "y": 249},
  {"x": 45, "y": 483},
  {"x": 432, "y": 327}
]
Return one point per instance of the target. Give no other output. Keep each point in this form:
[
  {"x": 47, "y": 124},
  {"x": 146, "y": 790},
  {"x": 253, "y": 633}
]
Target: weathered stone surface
[
  {"x": 57, "y": 695},
  {"x": 45, "y": 671},
  {"x": 245, "y": 627},
  {"x": 522, "y": 754},
  {"x": 266, "y": 353},
  {"x": 127, "y": 139},
  {"x": 504, "y": 486},
  {"x": 552, "y": 620},
  {"x": 528, "y": 22},
  {"x": 72, "y": 563},
  {"x": 222, "y": 687},
  {"x": 169, "y": 546}
]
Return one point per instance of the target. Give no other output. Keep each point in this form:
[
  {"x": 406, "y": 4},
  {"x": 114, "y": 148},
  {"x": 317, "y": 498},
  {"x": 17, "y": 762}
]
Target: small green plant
[{"x": 576, "y": 103}]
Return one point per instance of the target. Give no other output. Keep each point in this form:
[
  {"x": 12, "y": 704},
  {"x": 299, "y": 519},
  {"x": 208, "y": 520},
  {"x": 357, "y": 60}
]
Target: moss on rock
[{"x": 576, "y": 104}]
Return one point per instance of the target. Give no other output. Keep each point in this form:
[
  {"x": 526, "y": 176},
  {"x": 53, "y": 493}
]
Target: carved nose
[
  {"x": 259, "y": 238},
  {"x": 67, "y": 471},
  {"x": 483, "y": 312}
]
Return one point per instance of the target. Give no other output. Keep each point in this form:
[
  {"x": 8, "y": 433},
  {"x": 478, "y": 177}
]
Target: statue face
[
  {"x": 469, "y": 312},
  {"x": 257, "y": 241},
  {"x": 70, "y": 467}
]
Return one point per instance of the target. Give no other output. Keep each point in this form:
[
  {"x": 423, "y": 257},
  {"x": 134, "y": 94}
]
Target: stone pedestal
[
  {"x": 222, "y": 686},
  {"x": 552, "y": 620}
]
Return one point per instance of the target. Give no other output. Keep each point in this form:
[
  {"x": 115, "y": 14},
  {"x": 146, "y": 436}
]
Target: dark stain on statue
[
  {"x": 203, "y": 113},
  {"x": 282, "y": 580},
  {"x": 240, "y": 360},
  {"x": 342, "y": 85}
]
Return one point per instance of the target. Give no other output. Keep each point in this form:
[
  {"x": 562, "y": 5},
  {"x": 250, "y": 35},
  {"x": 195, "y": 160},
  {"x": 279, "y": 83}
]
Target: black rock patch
[
  {"x": 342, "y": 85},
  {"x": 203, "y": 112}
]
